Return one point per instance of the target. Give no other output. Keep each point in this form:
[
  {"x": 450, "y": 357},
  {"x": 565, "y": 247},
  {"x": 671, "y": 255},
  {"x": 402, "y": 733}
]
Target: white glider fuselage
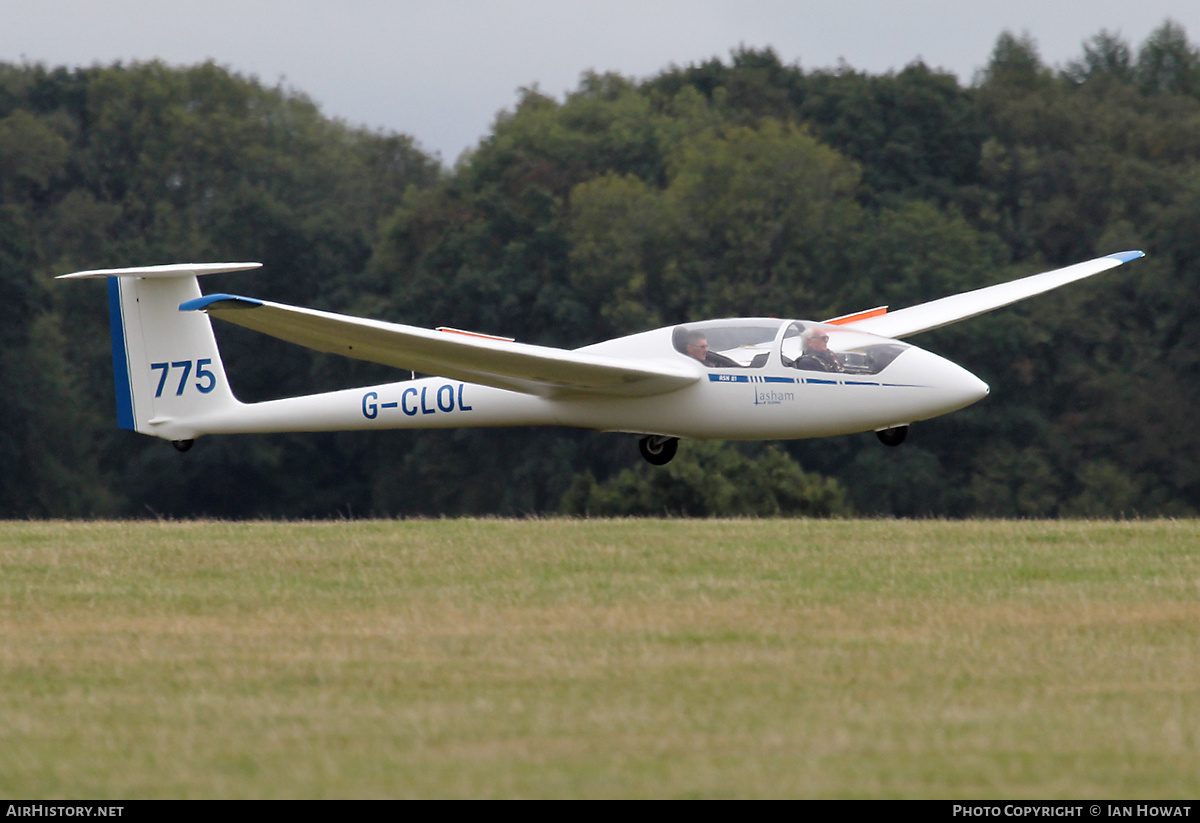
[{"x": 770, "y": 401}]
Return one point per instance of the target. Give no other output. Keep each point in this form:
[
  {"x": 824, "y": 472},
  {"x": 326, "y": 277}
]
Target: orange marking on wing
[
  {"x": 854, "y": 318},
  {"x": 449, "y": 330}
]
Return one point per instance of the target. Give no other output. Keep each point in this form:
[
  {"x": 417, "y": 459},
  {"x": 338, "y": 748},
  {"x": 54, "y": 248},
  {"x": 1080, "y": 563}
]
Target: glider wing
[
  {"x": 957, "y": 307},
  {"x": 540, "y": 370}
]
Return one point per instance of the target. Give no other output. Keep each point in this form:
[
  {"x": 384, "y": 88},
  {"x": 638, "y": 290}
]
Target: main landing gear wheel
[
  {"x": 182, "y": 445},
  {"x": 893, "y": 436},
  {"x": 657, "y": 450}
]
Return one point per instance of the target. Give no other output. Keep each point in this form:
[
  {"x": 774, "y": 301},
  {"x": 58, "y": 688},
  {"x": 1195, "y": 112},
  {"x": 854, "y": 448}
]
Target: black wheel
[
  {"x": 658, "y": 451},
  {"x": 893, "y": 436},
  {"x": 182, "y": 445}
]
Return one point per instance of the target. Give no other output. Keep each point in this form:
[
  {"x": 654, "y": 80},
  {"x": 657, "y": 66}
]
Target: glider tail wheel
[
  {"x": 182, "y": 445},
  {"x": 893, "y": 436},
  {"x": 657, "y": 450}
]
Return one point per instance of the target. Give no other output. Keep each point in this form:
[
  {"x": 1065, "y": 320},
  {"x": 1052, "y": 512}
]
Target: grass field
[{"x": 561, "y": 658}]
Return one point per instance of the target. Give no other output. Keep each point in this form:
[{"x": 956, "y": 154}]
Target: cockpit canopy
[{"x": 742, "y": 343}]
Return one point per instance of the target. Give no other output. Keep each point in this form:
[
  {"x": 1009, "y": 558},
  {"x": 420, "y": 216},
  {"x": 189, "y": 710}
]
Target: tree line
[{"x": 726, "y": 187}]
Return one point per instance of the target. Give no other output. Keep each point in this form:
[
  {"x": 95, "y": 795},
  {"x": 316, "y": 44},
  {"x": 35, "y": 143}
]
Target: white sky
[{"x": 440, "y": 70}]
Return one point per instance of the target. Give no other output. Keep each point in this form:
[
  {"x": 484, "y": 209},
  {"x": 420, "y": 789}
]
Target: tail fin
[{"x": 166, "y": 365}]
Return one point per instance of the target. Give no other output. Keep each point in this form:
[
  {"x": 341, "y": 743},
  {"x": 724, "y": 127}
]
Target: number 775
[{"x": 205, "y": 383}]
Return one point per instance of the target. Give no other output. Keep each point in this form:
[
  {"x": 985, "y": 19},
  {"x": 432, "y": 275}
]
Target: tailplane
[{"x": 166, "y": 366}]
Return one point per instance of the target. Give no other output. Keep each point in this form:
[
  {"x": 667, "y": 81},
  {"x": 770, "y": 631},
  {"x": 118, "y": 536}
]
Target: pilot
[
  {"x": 697, "y": 347},
  {"x": 817, "y": 356}
]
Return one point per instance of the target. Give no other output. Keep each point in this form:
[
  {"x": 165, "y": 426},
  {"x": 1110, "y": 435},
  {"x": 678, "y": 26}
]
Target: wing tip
[
  {"x": 1126, "y": 256},
  {"x": 236, "y": 302}
]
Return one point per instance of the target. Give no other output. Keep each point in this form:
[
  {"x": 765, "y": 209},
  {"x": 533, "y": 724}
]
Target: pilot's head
[
  {"x": 816, "y": 339},
  {"x": 697, "y": 345}
]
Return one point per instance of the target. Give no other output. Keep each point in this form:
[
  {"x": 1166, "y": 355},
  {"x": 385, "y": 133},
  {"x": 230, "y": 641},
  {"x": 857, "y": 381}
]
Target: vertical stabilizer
[{"x": 166, "y": 366}]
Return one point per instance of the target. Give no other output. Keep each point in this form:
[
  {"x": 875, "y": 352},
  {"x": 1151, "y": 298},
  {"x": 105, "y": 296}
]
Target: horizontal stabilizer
[
  {"x": 947, "y": 310},
  {"x": 539, "y": 370},
  {"x": 155, "y": 272}
]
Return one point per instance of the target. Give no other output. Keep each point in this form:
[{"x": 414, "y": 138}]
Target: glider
[{"x": 746, "y": 378}]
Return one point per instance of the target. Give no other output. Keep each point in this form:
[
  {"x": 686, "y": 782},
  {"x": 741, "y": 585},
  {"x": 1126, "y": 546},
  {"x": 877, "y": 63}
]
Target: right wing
[
  {"x": 530, "y": 369},
  {"x": 957, "y": 307}
]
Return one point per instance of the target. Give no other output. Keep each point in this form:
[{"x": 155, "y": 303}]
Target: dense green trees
[
  {"x": 706, "y": 480},
  {"x": 739, "y": 187},
  {"x": 145, "y": 164}
]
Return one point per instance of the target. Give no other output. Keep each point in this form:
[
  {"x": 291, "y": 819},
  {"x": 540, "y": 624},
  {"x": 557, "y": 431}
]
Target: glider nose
[
  {"x": 972, "y": 387},
  {"x": 944, "y": 386},
  {"x": 957, "y": 386}
]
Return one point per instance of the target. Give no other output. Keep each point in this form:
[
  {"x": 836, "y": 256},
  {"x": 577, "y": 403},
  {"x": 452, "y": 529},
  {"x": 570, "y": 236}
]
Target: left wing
[
  {"x": 957, "y": 307},
  {"x": 540, "y": 370}
]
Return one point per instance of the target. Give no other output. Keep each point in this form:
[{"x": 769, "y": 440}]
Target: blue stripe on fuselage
[{"x": 748, "y": 378}]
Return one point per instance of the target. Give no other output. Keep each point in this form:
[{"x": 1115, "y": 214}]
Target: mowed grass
[{"x": 562, "y": 658}]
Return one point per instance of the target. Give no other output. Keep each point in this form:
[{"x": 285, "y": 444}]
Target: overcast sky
[{"x": 440, "y": 70}]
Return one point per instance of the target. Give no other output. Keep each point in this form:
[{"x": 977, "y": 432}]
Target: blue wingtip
[
  {"x": 1126, "y": 256},
  {"x": 201, "y": 303}
]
